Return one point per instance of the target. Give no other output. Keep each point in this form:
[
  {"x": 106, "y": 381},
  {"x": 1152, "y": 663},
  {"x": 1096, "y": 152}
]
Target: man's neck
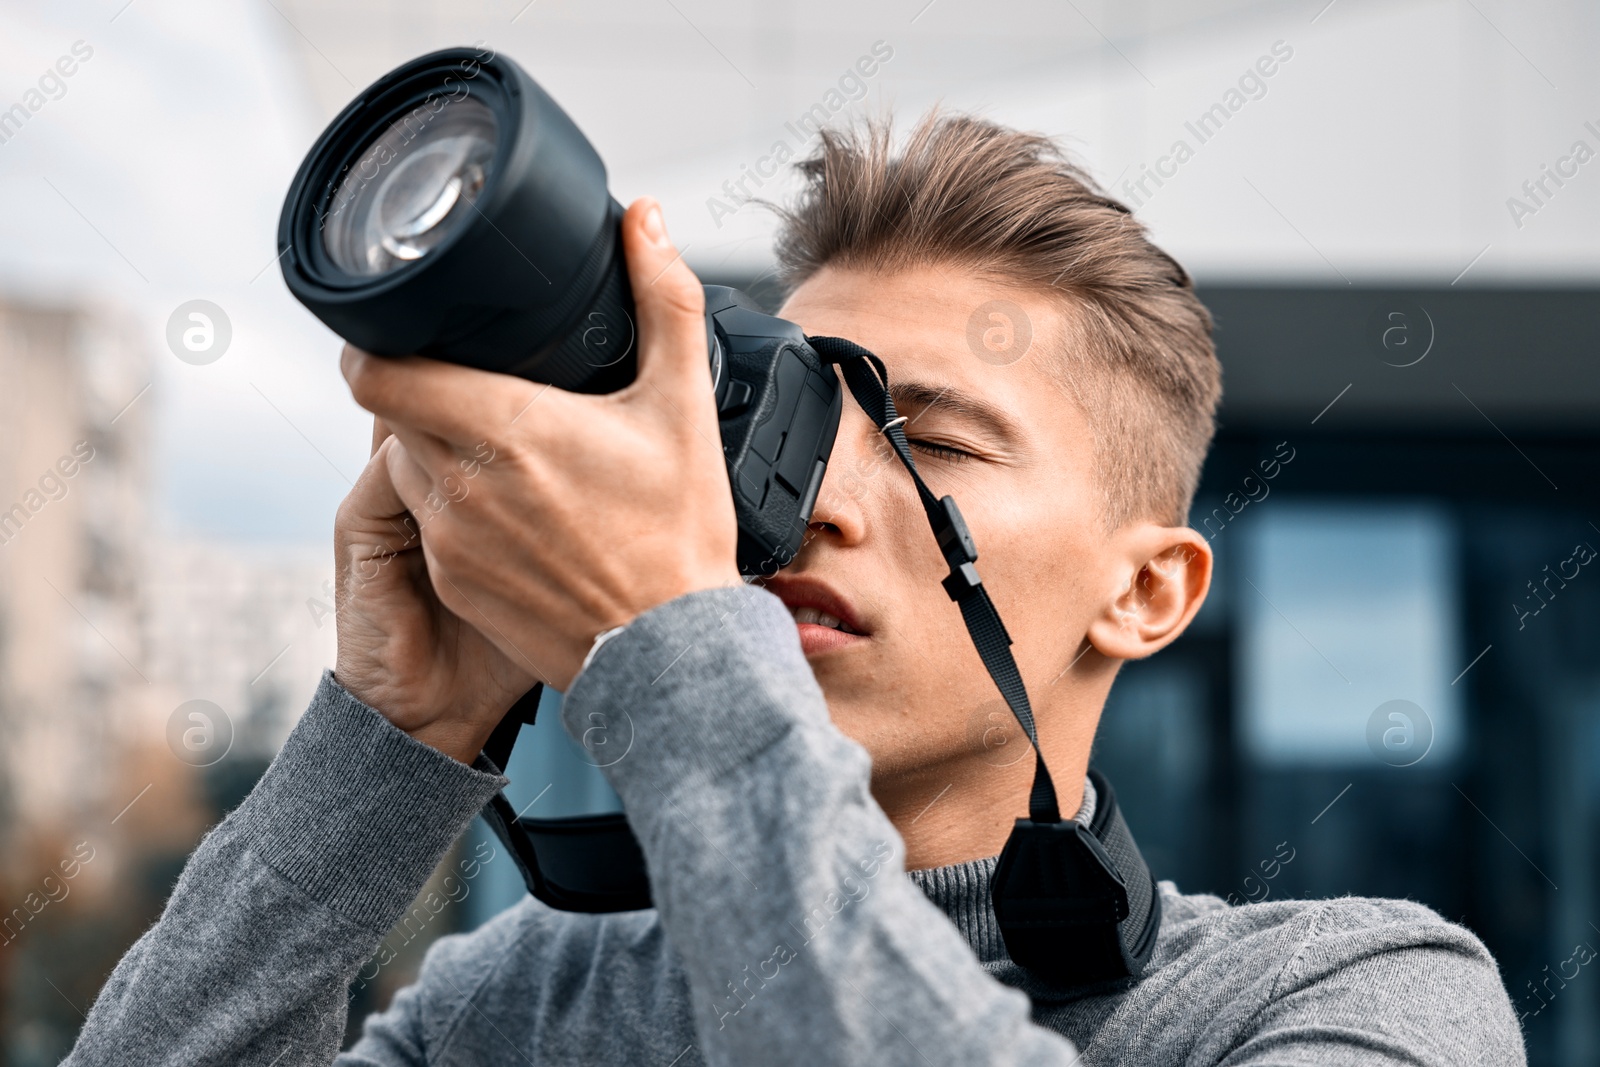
[{"x": 952, "y": 813}]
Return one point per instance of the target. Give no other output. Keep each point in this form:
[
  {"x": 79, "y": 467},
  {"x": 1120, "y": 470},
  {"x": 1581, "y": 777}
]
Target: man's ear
[{"x": 1162, "y": 576}]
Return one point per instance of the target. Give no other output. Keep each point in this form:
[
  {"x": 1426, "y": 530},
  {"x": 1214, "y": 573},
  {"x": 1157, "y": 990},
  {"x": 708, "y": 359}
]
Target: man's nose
[{"x": 859, "y": 459}]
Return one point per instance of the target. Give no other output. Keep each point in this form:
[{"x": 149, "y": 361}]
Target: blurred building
[
  {"x": 145, "y": 680},
  {"x": 248, "y": 628},
  {"x": 73, "y": 683},
  {"x": 73, "y": 492}
]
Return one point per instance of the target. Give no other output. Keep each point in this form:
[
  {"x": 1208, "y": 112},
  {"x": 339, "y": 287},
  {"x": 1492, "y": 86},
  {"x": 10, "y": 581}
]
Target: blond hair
[{"x": 970, "y": 193}]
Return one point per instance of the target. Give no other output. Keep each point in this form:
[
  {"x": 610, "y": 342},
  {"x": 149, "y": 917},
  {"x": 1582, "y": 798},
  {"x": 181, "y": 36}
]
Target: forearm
[
  {"x": 776, "y": 875},
  {"x": 281, "y": 904}
]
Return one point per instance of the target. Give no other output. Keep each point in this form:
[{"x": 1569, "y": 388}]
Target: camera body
[{"x": 778, "y": 404}]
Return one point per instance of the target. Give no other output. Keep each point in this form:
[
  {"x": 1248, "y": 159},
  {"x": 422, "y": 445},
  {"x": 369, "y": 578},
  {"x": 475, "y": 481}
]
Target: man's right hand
[{"x": 401, "y": 651}]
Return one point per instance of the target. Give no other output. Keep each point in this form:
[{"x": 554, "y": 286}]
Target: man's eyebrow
[{"x": 926, "y": 397}]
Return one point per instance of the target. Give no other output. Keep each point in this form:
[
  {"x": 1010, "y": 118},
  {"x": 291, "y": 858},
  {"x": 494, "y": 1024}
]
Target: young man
[{"x": 795, "y": 748}]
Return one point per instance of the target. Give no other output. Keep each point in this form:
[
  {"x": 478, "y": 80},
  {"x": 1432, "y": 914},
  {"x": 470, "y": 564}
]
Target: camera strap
[
  {"x": 1076, "y": 904},
  {"x": 864, "y": 373}
]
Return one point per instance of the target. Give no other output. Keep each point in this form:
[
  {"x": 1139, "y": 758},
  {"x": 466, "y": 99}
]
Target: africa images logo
[
  {"x": 1251, "y": 85},
  {"x": 999, "y": 332},
  {"x": 1401, "y": 332},
  {"x": 199, "y": 332},
  {"x": 199, "y": 733},
  {"x": 51, "y": 85},
  {"x": 1399, "y": 733},
  {"x": 852, "y": 85}
]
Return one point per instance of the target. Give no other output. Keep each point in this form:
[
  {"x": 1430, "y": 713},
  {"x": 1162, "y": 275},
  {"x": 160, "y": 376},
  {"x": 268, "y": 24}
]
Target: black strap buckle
[
  {"x": 955, "y": 540},
  {"x": 1076, "y": 904},
  {"x": 962, "y": 581}
]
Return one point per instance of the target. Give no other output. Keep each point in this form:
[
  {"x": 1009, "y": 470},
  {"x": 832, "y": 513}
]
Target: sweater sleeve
[
  {"x": 286, "y": 898},
  {"x": 776, "y": 875}
]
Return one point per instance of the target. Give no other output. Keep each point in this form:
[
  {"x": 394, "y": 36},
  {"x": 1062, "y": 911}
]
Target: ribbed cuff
[
  {"x": 356, "y": 812},
  {"x": 692, "y": 689}
]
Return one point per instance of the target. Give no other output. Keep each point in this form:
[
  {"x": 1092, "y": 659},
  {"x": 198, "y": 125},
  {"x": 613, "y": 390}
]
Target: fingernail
[{"x": 654, "y": 226}]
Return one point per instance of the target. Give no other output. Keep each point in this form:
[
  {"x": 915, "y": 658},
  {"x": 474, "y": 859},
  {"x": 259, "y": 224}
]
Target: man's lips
[{"x": 825, "y": 619}]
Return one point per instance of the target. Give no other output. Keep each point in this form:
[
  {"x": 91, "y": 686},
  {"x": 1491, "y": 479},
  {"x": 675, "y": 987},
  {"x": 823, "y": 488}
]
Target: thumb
[
  {"x": 373, "y": 517},
  {"x": 670, "y": 305},
  {"x": 380, "y": 432}
]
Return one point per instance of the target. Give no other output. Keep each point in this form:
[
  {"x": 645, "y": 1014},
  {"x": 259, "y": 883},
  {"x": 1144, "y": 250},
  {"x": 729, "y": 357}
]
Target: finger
[
  {"x": 431, "y": 453},
  {"x": 410, "y": 480},
  {"x": 671, "y": 307},
  {"x": 374, "y": 509},
  {"x": 443, "y": 465},
  {"x": 462, "y": 405},
  {"x": 380, "y": 430}
]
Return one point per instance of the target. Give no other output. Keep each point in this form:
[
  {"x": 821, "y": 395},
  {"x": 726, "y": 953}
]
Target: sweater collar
[{"x": 964, "y": 892}]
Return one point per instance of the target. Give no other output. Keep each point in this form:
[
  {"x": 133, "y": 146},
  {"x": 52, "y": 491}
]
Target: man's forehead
[
  {"x": 934, "y": 305},
  {"x": 937, "y": 330}
]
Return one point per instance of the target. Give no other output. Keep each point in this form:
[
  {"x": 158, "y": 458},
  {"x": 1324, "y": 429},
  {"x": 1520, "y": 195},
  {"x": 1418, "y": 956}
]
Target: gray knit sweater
[{"x": 785, "y": 930}]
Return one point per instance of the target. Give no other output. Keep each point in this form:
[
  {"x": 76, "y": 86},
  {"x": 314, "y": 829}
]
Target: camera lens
[
  {"x": 454, "y": 211},
  {"x": 413, "y": 186}
]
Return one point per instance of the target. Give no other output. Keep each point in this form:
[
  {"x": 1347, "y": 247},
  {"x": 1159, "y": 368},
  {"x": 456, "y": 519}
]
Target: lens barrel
[{"x": 454, "y": 211}]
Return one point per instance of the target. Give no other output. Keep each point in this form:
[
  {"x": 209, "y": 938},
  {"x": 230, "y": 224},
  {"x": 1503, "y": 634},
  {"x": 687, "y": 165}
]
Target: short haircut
[{"x": 969, "y": 193}]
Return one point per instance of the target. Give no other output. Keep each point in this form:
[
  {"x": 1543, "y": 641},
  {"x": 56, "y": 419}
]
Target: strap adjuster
[
  {"x": 955, "y": 540},
  {"x": 961, "y": 581}
]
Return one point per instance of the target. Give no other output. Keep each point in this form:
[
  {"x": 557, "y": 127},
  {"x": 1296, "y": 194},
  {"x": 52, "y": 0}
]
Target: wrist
[
  {"x": 444, "y": 729},
  {"x": 460, "y": 741},
  {"x": 599, "y": 640},
  {"x": 710, "y": 579},
  {"x": 671, "y": 680}
]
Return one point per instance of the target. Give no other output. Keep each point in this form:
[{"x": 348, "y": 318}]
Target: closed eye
[{"x": 942, "y": 451}]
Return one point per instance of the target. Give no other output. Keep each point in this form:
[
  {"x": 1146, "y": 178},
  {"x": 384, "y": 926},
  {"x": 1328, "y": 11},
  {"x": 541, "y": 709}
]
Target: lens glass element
[{"x": 412, "y": 187}]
